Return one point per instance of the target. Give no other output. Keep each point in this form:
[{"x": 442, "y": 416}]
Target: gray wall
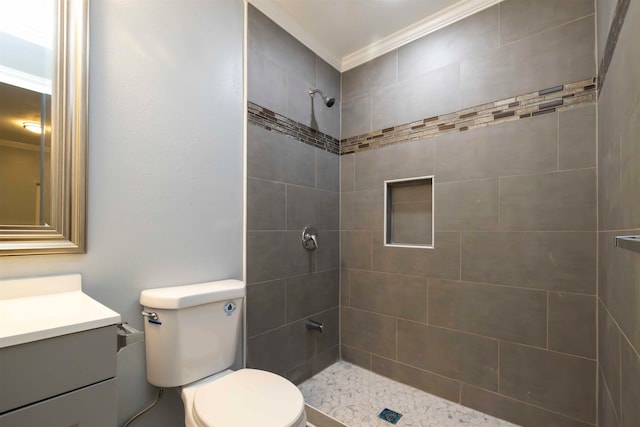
[
  {"x": 165, "y": 166},
  {"x": 501, "y": 315},
  {"x": 619, "y": 209},
  {"x": 290, "y": 184}
]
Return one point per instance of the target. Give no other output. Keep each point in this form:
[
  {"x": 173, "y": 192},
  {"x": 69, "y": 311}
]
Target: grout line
[
  {"x": 498, "y": 370},
  {"x": 547, "y": 319}
]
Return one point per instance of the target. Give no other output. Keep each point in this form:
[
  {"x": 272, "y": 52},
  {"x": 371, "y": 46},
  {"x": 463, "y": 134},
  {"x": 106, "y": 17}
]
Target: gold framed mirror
[{"x": 62, "y": 228}]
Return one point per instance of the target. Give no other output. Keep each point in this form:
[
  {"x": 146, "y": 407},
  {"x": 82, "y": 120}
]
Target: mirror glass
[
  {"x": 43, "y": 125},
  {"x": 26, "y": 66}
]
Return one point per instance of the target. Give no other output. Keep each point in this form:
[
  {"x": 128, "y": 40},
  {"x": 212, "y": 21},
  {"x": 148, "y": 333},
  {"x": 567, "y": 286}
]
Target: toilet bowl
[{"x": 244, "y": 398}]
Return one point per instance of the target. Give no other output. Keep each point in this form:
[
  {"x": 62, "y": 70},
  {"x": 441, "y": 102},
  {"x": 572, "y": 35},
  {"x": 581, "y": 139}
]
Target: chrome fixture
[
  {"x": 309, "y": 238},
  {"x": 631, "y": 243},
  {"x": 313, "y": 325},
  {"x": 328, "y": 100}
]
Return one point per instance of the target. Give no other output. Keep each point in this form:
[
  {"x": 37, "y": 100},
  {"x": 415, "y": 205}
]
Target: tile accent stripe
[
  {"x": 544, "y": 101},
  {"x": 557, "y": 98},
  {"x": 612, "y": 39},
  {"x": 271, "y": 121}
]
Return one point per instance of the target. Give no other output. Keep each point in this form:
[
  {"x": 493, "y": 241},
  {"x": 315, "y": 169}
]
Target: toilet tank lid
[{"x": 175, "y": 297}]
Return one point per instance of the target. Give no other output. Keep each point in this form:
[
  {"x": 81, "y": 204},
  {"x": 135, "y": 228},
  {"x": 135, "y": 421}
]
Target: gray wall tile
[
  {"x": 362, "y": 210},
  {"x": 407, "y": 160},
  {"x": 390, "y": 294},
  {"x": 327, "y": 171},
  {"x": 630, "y": 387},
  {"x": 356, "y": 117},
  {"x": 467, "y": 205},
  {"x": 553, "y": 260},
  {"x": 609, "y": 340},
  {"x": 572, "y": 324},
  {"x": 411, "y": 223},
  {"x": 422, "y": 380},
  {"x": 514, "y": 410},
  {"x": 577, "y": 138},
  {"x": 276, "y": 44},
  {"x": 298, "y": 259},
  {"x": 355, "y": 249},
  {"x": 327, "y": 119},
  {"x": 619, "y": 275},
  {"x": 565, "y": 384},
  {"x": 301, "y": 207},
  {"x": 345, "y": 278},
  {"x": 266, "y": 83},
  {"x": 471, "y": 36},
  {"x": 518, "y": 315},
  {"x": 314, "y": 365},
  {"x": 355, "y": 356},
  {"x": 265, "y": 205},
  {"x": 277, "y": 157},
  {"x": 442, "y": 261},
  {"x": 312, "y": 293},
  {"x": 370, "y": 332},
  {"x": 328, "y": 79},
  {"x": 523, "y": 18},
  {"x": 328, "y": 251},
  {"x": 547, "y": 59},
  {"x": 552, "y": 201},
  {"x": 281, "y": 349},
  {"x": 266, "y": 255},
  {"x": 265, "y": 306},
  {"x": 308, "y": 206},
  {"x": 514, "y": 148},
  {"x": 347, "y": 172},
  {"x": 629, "y": 171},
  {"x": 300, "y": 105},
  {"x": 431, "y": 94},
  {"x": 330, "y": 336},
  {"x": 607, "y": 415},
  {"x": 604, "y": 11},
  {"x": 377, "y": 73},
  {"x": 468, "y": 358}
]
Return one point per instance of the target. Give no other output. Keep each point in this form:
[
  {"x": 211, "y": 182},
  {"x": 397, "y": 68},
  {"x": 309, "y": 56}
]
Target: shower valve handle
[{"x": 309, "y": 238}]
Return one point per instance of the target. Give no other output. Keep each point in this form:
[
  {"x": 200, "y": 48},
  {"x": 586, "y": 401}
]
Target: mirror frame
[{"x": 69, "y": 135}]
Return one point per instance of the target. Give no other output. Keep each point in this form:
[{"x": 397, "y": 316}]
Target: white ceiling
[{"x": 346, "y": 33}]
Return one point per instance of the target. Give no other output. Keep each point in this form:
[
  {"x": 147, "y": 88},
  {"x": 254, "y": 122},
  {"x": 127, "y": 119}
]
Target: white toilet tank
[{"x": 196, "y": 331}]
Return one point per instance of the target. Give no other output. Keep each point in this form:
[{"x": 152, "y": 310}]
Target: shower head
[{"x": 328, "y": 100}]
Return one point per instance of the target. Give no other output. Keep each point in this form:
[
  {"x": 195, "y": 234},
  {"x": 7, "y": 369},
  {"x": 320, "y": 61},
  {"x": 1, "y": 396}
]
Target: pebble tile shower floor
[{"x": 355, "y": 397}]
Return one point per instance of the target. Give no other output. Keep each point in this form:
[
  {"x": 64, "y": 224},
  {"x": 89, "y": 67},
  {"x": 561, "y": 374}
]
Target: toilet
[{"x": 192, "y": 334}]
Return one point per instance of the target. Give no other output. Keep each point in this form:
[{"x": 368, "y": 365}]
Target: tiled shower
[{"x": 523, "y": 309}]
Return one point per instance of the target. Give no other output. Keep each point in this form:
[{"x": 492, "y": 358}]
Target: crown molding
[
  {"x": 448, "y": 16},
  {"x": 290, "y": 25}
]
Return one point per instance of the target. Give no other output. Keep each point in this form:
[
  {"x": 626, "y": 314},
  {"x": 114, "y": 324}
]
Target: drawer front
[
  {"x": 41, "y": 369},
  {"x": 93, "y": 406}
]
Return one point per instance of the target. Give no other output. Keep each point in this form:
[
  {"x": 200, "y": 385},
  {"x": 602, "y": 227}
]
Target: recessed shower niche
[{"x": 408, "y": 212}]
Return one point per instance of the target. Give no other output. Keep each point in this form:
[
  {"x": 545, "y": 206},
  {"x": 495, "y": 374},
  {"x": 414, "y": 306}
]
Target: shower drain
[{"x": 390, "y": 416}]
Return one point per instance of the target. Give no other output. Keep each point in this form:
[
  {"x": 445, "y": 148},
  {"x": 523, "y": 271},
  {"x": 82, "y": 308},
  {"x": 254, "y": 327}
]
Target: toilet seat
[{"x": 249, "y": 398}]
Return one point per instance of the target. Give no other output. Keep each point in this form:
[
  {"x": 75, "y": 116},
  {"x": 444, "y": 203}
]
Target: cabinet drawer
[
  {"x": 93, "y": 406},
  {"x": 41, "y": 369}
]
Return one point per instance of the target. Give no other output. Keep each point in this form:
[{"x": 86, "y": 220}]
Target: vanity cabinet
[{"x": 63, "y": 381}]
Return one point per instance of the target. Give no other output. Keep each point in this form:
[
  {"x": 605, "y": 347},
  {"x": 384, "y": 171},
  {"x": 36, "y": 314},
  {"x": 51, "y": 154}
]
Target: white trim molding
[{"x": 448, "y": 16}]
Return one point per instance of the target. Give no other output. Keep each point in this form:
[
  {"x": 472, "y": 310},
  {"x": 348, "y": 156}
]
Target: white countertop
[{"x": 46, "y": 307}]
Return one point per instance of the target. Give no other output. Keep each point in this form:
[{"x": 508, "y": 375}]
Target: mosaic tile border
[
  {"x": 271, "y": 121},
  {"x": 612, "y": 40},
  {"x": 557, "y": 98}
]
